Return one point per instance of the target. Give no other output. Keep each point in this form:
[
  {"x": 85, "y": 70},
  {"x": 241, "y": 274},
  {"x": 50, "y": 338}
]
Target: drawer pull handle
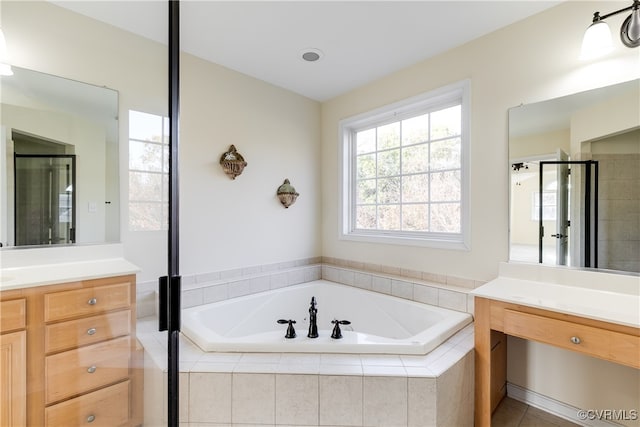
[
  {"x": 92, "y": 301},
  {"x": 575, "y": 340},
  {"x": 91, "y": 331},
  {"x": 91, "y": 418},
  {"x": 91, "y": 369}
]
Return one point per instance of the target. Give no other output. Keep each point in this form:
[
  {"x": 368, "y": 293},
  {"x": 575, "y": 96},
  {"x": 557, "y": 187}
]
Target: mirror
[
  {"x": 575, "y": 179},
  {"x": 59, "y": 160}
]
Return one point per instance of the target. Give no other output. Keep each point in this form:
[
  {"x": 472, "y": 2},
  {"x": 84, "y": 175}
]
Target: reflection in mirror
[
  {"x": 59, "y": 180},
  {"x": 575, "y": 179}
]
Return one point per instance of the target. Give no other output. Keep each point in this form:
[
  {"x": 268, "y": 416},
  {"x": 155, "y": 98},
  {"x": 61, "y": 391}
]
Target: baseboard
[{"x": 553, "y": 406}]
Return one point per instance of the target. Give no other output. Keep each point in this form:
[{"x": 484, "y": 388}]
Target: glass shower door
[{"x": 44, "y": 199}]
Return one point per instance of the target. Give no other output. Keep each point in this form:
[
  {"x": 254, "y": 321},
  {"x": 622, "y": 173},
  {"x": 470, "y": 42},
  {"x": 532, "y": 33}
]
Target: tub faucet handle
[
  {"x": 291, "y": 332},
  {"x": 337, "y": 333}
]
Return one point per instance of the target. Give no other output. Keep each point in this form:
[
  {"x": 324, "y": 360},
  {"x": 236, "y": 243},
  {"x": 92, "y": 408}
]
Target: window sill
[{"x": 436, "y": 243}]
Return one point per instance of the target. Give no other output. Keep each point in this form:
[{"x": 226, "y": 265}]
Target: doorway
[
  {"x": 574, "y": 214},
  {"x": 45, "y": 206}
]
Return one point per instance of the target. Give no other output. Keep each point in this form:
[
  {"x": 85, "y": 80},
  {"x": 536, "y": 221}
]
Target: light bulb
[{"x": 597, "y": 41}]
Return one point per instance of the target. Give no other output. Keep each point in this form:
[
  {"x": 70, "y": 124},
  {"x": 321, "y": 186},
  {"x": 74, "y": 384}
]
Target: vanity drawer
[
  {"x": 86, "y": 301},
  {"x": 107, "y": 407},
  {"x": 13, "y": 314},
  {"x": 88, "y": 330},
  {"x": 609, "y": 345},
  {"x": 86, "y": 368}
]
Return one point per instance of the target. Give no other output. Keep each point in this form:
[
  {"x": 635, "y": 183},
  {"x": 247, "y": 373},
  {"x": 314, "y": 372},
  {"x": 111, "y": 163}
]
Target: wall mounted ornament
[
  {"x": 287, "y": 194},
  {"x": 232, "y": 162}
]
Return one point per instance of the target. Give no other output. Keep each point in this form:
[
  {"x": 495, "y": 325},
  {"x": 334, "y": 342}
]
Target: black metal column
[{"x": 170, "y": 285}]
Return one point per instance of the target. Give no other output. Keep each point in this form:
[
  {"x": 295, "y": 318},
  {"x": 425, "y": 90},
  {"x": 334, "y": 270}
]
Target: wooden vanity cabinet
[
  {"x": 13, "y": 367},
  {"x": 81, "y": 363}
]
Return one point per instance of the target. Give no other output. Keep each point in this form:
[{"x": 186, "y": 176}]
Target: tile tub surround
[
  {"x": 284, "y": 389},
  {"x": 443, "y": 291}
]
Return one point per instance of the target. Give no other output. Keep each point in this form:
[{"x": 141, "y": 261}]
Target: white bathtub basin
[{"x": 379, "y": 323}]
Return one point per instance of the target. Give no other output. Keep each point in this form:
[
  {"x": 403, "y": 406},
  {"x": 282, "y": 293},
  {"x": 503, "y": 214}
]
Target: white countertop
[
  {"x": 615, "y": 307},
  {"x": 47, "y": 274},
  {"x": 30, "y": 267}
]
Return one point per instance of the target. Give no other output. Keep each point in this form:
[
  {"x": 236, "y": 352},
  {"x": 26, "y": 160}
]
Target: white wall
[
  {"x": 530, "y": 61},
  {"x": 224, "y": 224},
  {"x": 229, "y": 224}
]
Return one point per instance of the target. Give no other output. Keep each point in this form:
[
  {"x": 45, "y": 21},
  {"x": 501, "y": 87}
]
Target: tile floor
[{"x": 513, "y": 413}]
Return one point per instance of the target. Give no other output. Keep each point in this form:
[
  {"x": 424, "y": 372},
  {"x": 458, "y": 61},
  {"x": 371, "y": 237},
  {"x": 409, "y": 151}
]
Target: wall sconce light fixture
[
  {"x": 287, "y": 194},
  {"x": 232, "y": 162},
  {"x": 597, "y": 39}
]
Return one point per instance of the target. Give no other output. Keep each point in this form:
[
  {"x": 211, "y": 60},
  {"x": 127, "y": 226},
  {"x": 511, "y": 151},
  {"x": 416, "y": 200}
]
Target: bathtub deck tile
[
  {"x": 336, "y": 370},
  {"x": 300, "y": 358},
  {"x": 419, "y": 372},
  {"x": 220, "y": 357},
  {"x": 213, "y": 367},
  {"x": 255, "y": 368},
  {"x": 298, "y": 368},
  {"x": 384, "y": 371},
  {"x": 461, "y": 335},
  {"x": 262, "y": 358},
  {"x": 189, "y": 352},
  {"x": 381, "y": 360},
  {"x": 438, "y": 352},
  {"x": 445, "y": 362},
  {"x": 340, "y": 359},
  {"x": 417, "y": 361}
]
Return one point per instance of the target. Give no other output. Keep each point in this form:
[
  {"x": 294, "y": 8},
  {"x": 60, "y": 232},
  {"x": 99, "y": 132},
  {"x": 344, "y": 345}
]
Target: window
[
  {"x": 548, "y": 206},
  {"x": 148, "y": 171},
  {"x": 405, "y": 171}
]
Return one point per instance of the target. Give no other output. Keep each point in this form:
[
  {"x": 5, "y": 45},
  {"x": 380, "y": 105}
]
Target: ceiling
[{"x": 360, "y": 41}]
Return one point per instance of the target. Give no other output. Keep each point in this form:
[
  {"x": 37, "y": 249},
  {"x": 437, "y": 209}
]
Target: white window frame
[{"x": 456, "y": 92}]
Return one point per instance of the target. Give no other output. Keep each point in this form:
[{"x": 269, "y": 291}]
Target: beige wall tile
[
  {"x": 421, "y": 402},
  {"x": 210, "y": 397},
  {"x": 297, "y": 399},
  {"x": 253, "y": 398},
  {"x": 385, "y": 401},
  {"x": 340, "y": 400}
]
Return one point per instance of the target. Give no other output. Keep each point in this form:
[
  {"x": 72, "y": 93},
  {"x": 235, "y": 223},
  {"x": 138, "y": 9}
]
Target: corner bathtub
[{"x": 379, "y": 323}]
